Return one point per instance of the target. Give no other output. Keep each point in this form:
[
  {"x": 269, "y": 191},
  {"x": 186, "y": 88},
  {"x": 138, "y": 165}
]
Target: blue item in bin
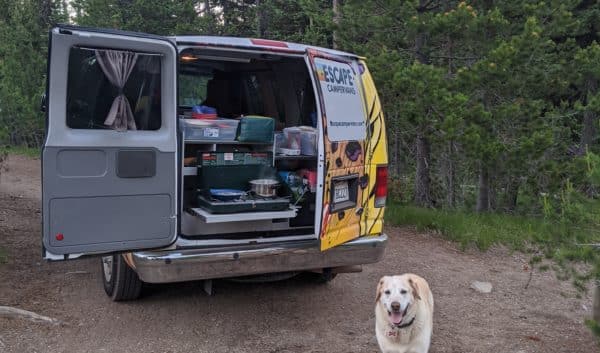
[
  {"x": 290, "y": 178},
  {"x": 285, "y": 176},
  {"x": 203, "y": 109},
  {"x": 226, "y": 194}
]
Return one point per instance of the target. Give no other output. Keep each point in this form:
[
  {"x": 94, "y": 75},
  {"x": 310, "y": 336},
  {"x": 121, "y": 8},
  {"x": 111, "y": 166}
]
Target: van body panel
[
  {"x": 344, "y": 158},
  {"x": 96, "y": 210},
  {"x": 375, "y": 155},
  {"x": 105, "y": 190},
  {"x": 249, "y": 43}
]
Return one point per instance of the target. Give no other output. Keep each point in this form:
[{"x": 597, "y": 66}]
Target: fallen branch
[
  {"x": 10, "y": 312},
  {"x": 529, "y": 280},
  {"x": 596, "y": 303}
]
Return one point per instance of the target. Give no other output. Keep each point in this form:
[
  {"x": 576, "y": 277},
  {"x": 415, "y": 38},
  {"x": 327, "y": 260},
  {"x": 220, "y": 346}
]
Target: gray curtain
[{"x": 117, "y": 66}]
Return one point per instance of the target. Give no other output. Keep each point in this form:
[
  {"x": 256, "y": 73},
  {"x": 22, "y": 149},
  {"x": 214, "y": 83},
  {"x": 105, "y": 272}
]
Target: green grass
[
  {"x": 594, "y": 327},
  {"x": 555, "y": 240},
  {"x": 20, "y": 150},
  {"x": 3, "y": 256},
  {"x": 469, "y": 229}
]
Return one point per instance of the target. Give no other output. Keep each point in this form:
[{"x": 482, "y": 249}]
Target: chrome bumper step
[{"x": 234, "y": 261}]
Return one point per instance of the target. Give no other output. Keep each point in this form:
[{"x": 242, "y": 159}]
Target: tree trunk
[
  {"x": 420, "y": 38},
  {"x": 225, "y": 14},
  {"x": 124, "y": 7},
  {"x": 397, "y": 153},
  {"x": 207, "y": 8},
  {"x": 46, "y": 7},
  {"x": 589, "y": 130},
  {"x": 336, "y": 22},
  {"x": 512, "y": 194},
  {"x": 483, "y": 196},
  {"x": 422, "y": 180},
  {"x": 261, "y": 19},
  {"x": 492, "y": 193},
  {"x": 450, "y": 176}
]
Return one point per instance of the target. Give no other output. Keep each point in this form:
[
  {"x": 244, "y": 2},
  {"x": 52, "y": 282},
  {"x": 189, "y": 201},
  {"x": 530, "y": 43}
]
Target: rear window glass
[
  {"x": 91, "y": 93},
  {"x": 192, "y": 89}
]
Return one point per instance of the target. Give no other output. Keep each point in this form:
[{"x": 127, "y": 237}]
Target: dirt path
[{"x": 289, "y": 316}]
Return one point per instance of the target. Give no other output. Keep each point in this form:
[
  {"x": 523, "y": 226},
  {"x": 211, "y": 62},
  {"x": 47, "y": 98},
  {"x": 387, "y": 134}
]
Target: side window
[
  {"x": 253, "y": 96},
  {"x": 192, "y": 89},
  {"x": 112, "y": 89}
]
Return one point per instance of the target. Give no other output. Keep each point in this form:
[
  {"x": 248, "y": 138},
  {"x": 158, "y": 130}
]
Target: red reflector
[
  {"x": 381, "y": 186},
  {"x": 60, "y": 236},
  {"x": 269, "y": 43}
]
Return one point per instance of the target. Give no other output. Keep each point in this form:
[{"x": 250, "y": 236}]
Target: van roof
[{"x": 255, "y": 43}]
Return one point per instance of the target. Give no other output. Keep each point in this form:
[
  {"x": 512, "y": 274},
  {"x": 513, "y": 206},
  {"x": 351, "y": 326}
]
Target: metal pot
[{"x": 264, "y": 187}]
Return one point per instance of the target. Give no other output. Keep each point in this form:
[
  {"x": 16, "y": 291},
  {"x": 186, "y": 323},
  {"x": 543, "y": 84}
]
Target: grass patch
[
  {"x": 594, "y": 327},
  {"x": 21, "y": 150},
  {"x": 3, "y": 256},
  {"x": 470, "y": 229},
  {"x": 549, "y": 239}
]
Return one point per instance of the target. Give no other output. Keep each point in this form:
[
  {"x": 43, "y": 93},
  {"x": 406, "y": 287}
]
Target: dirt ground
[{"x": 288, "y": 316}]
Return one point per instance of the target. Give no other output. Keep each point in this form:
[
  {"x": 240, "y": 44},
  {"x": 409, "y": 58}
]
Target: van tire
[{"x": 121, "y": 282}]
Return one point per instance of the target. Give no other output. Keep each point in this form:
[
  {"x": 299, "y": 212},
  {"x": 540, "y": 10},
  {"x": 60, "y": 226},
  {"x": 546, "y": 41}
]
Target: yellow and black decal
[{"x": 351, "y": 161}]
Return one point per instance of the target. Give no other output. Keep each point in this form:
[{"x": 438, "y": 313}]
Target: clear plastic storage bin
[
  {"x": 212, "y": 130},
  {"x": 308, "y": 141}
]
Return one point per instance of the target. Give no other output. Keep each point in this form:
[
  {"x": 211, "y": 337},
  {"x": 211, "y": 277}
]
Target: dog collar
[{"x": 404, "y": 325}]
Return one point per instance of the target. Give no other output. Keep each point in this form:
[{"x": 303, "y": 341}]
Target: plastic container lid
[
  {"x": 204, "y": 116},
  {"x": 289, "y": 151},
  {"x": 204, "y": 109}
]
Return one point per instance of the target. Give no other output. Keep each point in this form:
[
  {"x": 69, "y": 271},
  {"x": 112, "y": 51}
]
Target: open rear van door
[
  {"x": 344, "y": 129},
  {"x": 109, "y": 162}
]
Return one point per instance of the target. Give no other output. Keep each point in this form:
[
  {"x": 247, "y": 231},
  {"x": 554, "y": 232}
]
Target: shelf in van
[
  {"x": 188, "y": 171},
  {"x": 223, "y": 142},
  {"x": 298, "y": 157},
  {"x": 242, "y": 216}
]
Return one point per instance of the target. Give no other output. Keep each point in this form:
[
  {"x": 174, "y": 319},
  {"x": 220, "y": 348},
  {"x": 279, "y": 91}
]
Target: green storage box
[
  {"x": 258, "y": 129},
  {"x": 234, "y": 158}
]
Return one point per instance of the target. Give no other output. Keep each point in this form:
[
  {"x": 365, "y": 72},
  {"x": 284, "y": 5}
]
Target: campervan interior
[{"x": 217, "y": 92}]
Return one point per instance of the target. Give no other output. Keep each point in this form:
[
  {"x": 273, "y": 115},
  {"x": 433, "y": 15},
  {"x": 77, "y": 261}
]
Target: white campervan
[{"x": 189, "y": 158}]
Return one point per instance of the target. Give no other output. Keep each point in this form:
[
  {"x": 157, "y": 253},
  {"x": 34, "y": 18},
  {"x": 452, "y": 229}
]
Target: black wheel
[
  {"x": 324, "y": 277},
  {"x": 120, "y": 281}
]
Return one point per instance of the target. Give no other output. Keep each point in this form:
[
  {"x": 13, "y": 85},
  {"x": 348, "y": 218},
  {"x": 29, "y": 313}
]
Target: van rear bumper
[{"x": 221, "y": 262}]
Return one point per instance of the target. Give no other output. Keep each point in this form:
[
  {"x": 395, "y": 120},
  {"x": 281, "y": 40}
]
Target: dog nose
[{"x": 395, "y": 306}]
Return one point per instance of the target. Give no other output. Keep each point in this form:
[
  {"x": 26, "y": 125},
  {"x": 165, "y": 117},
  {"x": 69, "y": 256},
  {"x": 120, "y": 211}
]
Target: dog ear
[
  {"x": 415, "y": 288},
  {"x": 379, "y": 289}
]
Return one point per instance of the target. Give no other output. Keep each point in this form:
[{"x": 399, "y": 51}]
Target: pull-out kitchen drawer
[{"x": 208, "y": 217}]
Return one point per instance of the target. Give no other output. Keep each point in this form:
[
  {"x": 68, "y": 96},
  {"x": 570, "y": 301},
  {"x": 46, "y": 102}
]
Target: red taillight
[
  {"x": 381, "y": 186},
  {"x": 269, "y": 43}
]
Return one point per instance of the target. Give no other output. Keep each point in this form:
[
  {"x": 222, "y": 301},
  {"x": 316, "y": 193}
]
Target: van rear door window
[
  {"x": 343, "y": 100},
  {"x": 91, "y": 94}
]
